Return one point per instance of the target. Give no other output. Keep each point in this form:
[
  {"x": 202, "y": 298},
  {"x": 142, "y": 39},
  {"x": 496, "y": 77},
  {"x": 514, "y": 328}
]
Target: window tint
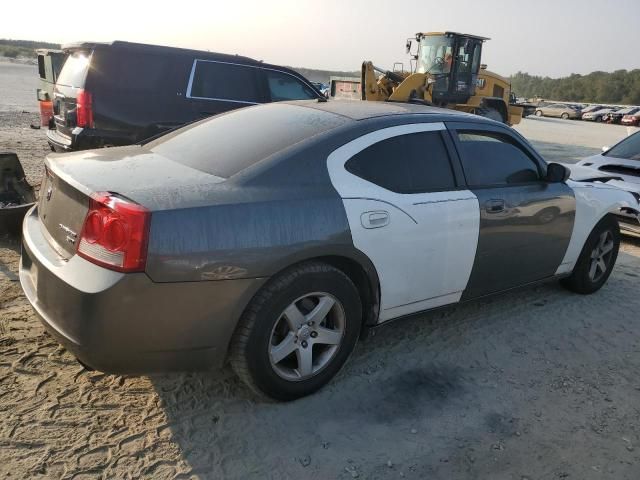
[
  {"x": 132, "y": 72},
  {"x": 490, "y": 158},
  {"x": 287, "y": 87},
  {"x": 41, "y": 70},
  {"x": 413, "y": 163},
  {"x": 629, "y": 148},
  {"x": 75, "y": 69},
  {"x": 225, "y": 81}
]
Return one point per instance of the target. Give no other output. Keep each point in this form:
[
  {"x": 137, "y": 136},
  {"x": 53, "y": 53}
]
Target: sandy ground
[{"x": 537, "y": 384}]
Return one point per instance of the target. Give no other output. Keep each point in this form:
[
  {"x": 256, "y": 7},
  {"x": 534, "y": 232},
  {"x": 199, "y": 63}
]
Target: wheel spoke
[
  {"x": 607, "y": 247},
  {"x": 284, "y": 348},
  {"x": 327, "y": 336},
  {"x": 321, "y": 310},
  {"x": 602, "y": 265},
  {"x": 305, "y": 361},
  {"x": 294, "y": 317},
  {"x": 592, "y": 269},
  {"x": 603, "y": 239}
]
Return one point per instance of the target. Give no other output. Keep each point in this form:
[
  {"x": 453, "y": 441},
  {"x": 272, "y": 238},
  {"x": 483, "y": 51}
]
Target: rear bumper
[
  {"x": 126, "y": 323},
  {"x": 85, "y": 139}
]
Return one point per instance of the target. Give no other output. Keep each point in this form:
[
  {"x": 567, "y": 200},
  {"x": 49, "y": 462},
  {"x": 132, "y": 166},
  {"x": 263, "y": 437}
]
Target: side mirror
[
  {"x": 605, "y": 149},
  {"x": 557, "y": 173}
]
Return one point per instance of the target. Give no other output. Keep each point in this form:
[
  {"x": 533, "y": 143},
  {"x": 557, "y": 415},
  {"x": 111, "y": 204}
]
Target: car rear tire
[
  {"x": 565, "y": 116},
  {"x": 297, "y": 332},
  {"x": 490, "y": 113},
  {"x": 598, "y": 119},
  {"x": 597, "y": 258},
  {"x": 538, "y": 113}
]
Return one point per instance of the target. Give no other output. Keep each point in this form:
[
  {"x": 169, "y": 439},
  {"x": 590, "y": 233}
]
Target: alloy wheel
[
  {"x": 601, "y": 256},
  {"x": 307, "y": 336}
]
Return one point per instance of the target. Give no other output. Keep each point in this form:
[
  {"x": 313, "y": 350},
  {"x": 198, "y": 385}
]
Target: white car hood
[{"x": 629, "y": 182}]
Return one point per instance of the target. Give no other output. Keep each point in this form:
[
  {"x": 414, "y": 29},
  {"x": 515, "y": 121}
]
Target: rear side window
[
  {"x": 130, "y": 71},
  {"x": 74, "y": 71},
  {"x": 287, "y": 87},
  {"x": 225, "y": 81},
  {"x": 490, "y": 158},
  {"x": 412, "y": 163},
  {"x": 41, "y": 69}
]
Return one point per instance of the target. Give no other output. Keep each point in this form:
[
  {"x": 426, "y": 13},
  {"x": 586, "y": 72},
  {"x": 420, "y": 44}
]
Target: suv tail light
[
  {"x": 115, "y": 233},
  {"x": 84, "y": 109}
]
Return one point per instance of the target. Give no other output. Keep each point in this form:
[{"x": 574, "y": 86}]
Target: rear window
[
  {"x": 225, "y": 81},
  {"x": 227, "y": 144},
  {"x": 75, "y": 69}
]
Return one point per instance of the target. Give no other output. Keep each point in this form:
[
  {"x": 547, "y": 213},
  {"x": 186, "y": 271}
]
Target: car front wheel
[
  {"x": 297, "y": 332},
  {"x": 597, "y": 258}
]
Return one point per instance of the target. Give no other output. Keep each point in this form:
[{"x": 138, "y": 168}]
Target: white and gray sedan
[{"x": 271, "y": 236}]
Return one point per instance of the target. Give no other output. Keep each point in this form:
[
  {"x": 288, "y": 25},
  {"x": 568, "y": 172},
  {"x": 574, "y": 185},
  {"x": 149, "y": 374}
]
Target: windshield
[
  {"x": 628, "y": 149},
  {"x": 436, "y": 54}
]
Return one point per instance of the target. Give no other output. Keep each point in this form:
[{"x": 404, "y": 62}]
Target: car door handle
[
  {"x": 494, "y": 206},
  {"x": 376, "y": 219}
]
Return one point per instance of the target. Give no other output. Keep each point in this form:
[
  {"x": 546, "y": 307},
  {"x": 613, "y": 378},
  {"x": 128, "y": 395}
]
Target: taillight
[
  {"x": 115, "y": 233},
  {"x": 84, "y": 109}
]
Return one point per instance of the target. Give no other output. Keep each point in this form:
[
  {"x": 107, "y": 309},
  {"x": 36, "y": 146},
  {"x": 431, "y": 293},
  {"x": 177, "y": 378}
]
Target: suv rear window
[
  {"x": 227, "y": 144},
  {"x": 75, "y": 70}
]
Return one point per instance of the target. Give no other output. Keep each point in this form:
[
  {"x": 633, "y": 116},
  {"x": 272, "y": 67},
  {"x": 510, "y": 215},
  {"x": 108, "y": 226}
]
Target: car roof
[{"x": 362, "y": 110}]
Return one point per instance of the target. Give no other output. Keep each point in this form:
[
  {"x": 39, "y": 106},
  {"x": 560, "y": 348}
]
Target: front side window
[
  {"x": 225, "y": 81},
  {"x": 412, "y": 163},
  {"x": 436, "y": 54},
  {"x": 493, "y": 159},
  {"x": 287, "y": 87}
]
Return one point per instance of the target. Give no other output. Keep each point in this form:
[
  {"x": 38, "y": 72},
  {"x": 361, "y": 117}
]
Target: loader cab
[{"x": 452, "y": 60}]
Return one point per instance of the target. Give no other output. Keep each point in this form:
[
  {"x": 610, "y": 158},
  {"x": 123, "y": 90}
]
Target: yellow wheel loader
[{"x": 446, "y": 72}]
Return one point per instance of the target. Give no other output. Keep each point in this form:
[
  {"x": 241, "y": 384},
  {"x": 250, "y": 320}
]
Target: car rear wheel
[
  {"x": 297, "y": 332},
  {"x": 538, "y": 113},
  {"x": 565, "y": 116},
  {"x": 597, "y": 258}
]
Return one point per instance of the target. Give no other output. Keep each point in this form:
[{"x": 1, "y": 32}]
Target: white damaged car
[{"x": 618, "y": 166}]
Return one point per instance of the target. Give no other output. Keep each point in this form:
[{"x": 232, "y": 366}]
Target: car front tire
[
  {"x": 538, "y": 113},
  {"x": 297, "y": 332},
  {"x": 597, "y": 258}
]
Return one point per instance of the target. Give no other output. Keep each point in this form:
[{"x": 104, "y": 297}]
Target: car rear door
[
  {"x": 409, "y": 213},
  {"x": 525, "y": 221}
]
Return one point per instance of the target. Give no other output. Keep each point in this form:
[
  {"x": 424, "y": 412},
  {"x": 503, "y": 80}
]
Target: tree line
[{"x": 619, "y": 87}]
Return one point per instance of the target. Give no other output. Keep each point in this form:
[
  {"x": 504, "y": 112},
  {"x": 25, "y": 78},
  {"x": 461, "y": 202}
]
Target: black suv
[{"x": 122, "y": 93}]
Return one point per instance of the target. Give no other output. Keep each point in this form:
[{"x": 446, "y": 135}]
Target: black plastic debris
[{"x": 16, "y": 195}]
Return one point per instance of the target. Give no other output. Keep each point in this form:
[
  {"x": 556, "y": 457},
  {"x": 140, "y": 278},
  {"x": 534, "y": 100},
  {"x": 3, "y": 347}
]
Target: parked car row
[{"x": 593, "y": 113}]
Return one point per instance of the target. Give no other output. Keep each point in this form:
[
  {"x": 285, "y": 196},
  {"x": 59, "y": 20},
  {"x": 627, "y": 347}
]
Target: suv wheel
[
  {"x": 597, "y": 258},
  {"x": 297, "y": 332}
]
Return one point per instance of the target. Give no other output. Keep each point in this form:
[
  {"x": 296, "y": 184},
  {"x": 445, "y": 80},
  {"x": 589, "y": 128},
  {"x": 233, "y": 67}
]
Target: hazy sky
[{"x": 544, "y": 37}]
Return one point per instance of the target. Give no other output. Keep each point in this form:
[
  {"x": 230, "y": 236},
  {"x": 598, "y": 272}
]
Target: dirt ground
[{"x": 536, "y": 384}]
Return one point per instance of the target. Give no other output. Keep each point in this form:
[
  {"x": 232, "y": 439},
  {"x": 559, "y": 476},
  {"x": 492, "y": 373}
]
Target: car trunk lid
[{"x": 133, "y": 172}]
